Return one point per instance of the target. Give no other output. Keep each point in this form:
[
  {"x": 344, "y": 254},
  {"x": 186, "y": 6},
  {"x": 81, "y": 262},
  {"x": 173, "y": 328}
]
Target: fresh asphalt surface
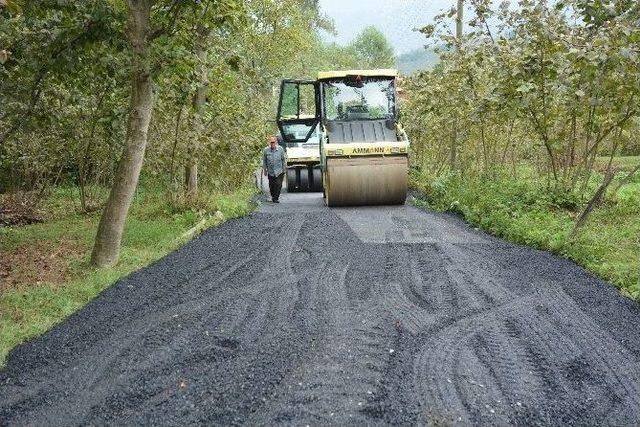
[{"x": 300, "y": 314}]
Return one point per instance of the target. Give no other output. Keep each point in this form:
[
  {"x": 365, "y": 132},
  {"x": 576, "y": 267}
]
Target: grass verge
[
  {"x": 45, "y": 268},
  {"x": 525, "y": 211}
]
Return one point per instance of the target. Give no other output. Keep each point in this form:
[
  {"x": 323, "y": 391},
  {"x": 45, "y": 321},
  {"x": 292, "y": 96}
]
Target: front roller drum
[{"x": 366, "y": 181}]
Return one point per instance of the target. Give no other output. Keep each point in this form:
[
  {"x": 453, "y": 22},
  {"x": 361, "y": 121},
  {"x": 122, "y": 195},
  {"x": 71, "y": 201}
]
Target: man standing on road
[{"x": 274, "y": 163}]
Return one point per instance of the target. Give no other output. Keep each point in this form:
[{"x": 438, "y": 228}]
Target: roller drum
[
  {"x": 304, "y": 179},
  {"x": 366, "y": 181},
  {"x": 316, "y": 182},
  {"x": 292, "y": 181}
]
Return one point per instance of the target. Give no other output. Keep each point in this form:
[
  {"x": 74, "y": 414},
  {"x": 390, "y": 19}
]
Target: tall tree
[
  {"x": 453, "y": 151},
  {"x": 143, "y": 36},
  {"x": 109, "y": 236},
  {"x": 373, "y": 50},
  {"x": 199, "y": 99}
]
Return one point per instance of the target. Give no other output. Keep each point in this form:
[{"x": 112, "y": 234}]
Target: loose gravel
[{"x": 300, "y": 314}]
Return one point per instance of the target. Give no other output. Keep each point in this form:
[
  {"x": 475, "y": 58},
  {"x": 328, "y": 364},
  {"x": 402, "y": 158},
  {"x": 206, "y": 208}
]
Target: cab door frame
[{"x": 311, "y": 122}]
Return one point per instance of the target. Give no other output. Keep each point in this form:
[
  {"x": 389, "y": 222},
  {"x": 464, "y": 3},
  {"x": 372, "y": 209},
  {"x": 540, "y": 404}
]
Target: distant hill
[{"x": 415, "y": 60}]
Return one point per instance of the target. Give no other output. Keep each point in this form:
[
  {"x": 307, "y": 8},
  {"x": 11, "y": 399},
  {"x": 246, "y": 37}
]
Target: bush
[{"x": 628, "y": 199}]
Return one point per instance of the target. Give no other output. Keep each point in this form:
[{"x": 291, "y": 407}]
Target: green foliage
[
  {"x": 372, "y": 49},
  {"x": 628, "y": 199},
  {"x": 65, "y": 88},
  {"x": 537, "y": 85}
]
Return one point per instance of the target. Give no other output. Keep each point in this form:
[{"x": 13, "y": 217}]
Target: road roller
[
  {"x": 303, "y": 162},
  {"x": 363, "y": 147}
]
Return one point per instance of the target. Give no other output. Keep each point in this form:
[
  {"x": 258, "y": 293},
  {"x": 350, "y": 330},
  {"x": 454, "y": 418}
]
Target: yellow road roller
[
  {"x": 363, "y": 148},
  {"x": 303, "y": 162}
]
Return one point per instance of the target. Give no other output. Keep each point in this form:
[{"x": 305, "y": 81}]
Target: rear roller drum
[
  {"x": 292, "y": 181},
  {"x": 304, "y": 179},
  {"x": 316, "y": 182}
]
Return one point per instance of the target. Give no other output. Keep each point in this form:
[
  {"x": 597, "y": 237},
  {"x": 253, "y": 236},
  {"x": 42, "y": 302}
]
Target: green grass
[
  {"x": 622, "y": 162},
  {"x": 153, "y": 229},
  {"x": 525, "y": 211}
]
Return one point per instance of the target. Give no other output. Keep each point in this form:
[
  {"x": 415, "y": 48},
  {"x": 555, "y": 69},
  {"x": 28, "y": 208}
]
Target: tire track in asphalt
[
  {"x": 304, "y": 315},
  {"x": 154, "y": 324},
  {"x": 246, "y": 317},
  {"x": 340, "y": 380},
  {"x": 454, "y": 391},
  {"x": 473, "y": 293}
]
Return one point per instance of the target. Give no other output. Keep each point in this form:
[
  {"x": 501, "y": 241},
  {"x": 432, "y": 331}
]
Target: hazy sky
[{"x": 395, "y": 18}]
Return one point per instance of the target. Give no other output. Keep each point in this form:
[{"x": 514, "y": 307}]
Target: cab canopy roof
[{"x": 386, "y": 72}]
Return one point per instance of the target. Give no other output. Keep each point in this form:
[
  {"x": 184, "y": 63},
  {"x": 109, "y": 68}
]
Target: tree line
[
  {"x": 555, "y": 84},
  {"x": 99, "y": 94}
]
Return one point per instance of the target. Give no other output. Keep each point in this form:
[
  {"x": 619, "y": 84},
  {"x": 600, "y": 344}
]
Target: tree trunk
[
  {"x": 595, "y": 201},
  {"x": 199, "y": 99},
  {"x": 191, "y": 176},
  {"x": 107, "y": 246},
  {"x": 175, "y": 144},
  {"x": 571, "y": 156},
  {"x": 453, "y": 148},
  {"x": 459, "y": 12},
  {"x": 84, "y": 160}
]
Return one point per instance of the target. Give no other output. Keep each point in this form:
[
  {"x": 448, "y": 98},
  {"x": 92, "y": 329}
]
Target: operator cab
[
  {"x": 358, "y": 108},
  {"x": 355, "y": 106}
]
